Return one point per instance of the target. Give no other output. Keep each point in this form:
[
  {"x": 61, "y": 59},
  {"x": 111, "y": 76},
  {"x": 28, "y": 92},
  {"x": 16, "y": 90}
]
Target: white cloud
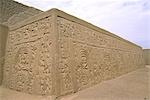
[{"x": 127, "y": 18}]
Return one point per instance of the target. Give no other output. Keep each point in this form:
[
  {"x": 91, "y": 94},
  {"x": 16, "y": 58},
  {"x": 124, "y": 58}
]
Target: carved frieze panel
[
  {"x": 66, "y": 81},
  {"x": 95, "y": 56},
  {"x": 28, "y": 67}
]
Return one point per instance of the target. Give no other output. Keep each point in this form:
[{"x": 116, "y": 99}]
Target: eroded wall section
[
  {"x": 88, "y": 57},
  {"x": 147, "y": 56},
  {"x": 3, "y": 39},
  {"x": 28, "y": 67},
  {"x": 12, "y": 12}
]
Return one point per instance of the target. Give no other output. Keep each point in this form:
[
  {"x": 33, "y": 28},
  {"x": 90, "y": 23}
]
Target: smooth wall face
[
  {"x": 88, "y": 57},
  {"x": 147, "y": 56},
  {"x": 28, "y": 67},
  {"x": 3, "y": 39}
]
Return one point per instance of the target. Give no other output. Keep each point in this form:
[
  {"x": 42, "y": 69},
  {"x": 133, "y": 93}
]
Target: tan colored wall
[
  {"x": 9, "y": 8},
  {"x": 16, "y": 18},
  {"x": 147, "y": 56},
  {"x": 88, "y": 55},
  {"x": 3, "y": 37},
  {"x": 28, "y": 67},
  {"x": 55, "y": 54},
  {"x": 12, "y": 12}
]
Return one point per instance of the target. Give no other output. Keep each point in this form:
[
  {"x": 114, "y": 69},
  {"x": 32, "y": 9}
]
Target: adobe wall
[
  {"x": 9, "y": 8},
  {"x": 3, "y": 38},
  {"x": 28, "y": 67},
  {"x": 89, "y": 55},
  {"x": 12, "y": 12},
  {"x": 147, "y": 56},
  {"x": 56, "y": 54}
]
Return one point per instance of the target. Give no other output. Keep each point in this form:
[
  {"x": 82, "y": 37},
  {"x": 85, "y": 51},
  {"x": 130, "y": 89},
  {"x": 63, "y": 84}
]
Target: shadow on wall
[{"x": 3, "y": 38}]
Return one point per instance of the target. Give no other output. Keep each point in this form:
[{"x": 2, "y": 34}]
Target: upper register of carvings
[{"x": 62, "y": 14}]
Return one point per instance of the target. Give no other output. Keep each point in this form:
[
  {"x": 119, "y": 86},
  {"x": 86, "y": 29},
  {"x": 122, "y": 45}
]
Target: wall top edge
[
  {"x": 33, "y": 19},
  {"x": 146, "y": 49},
  {"x": 72, "y": 18},
  {"x": 89, "y": 25}
]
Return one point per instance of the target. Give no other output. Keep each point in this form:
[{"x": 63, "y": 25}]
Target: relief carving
[
  {"x": 97, "y": 56},
  {"x": 64, "y": 68},
  {"x": 85, "y": 57},
  {"x": 29, "y": 63}
]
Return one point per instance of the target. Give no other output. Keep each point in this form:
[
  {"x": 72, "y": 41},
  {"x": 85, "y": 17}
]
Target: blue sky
[{"x": 129, "y": 19}]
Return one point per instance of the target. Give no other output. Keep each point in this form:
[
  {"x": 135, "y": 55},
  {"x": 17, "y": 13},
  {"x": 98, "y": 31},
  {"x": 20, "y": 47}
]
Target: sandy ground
[{"x": 132, "y": 86}]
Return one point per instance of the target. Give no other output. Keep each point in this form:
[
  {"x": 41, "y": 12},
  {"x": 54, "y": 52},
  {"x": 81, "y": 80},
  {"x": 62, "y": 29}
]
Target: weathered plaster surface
[
  {"x": 56, "y": 54},
  {"x": 12, "y": 12},
  {"x": 88, "y": 57},
  {"x": 29, "y": 58}
]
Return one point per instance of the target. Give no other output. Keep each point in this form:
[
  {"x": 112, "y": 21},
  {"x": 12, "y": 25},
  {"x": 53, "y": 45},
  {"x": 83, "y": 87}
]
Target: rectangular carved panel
[{"x": 28, "y": 67}]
